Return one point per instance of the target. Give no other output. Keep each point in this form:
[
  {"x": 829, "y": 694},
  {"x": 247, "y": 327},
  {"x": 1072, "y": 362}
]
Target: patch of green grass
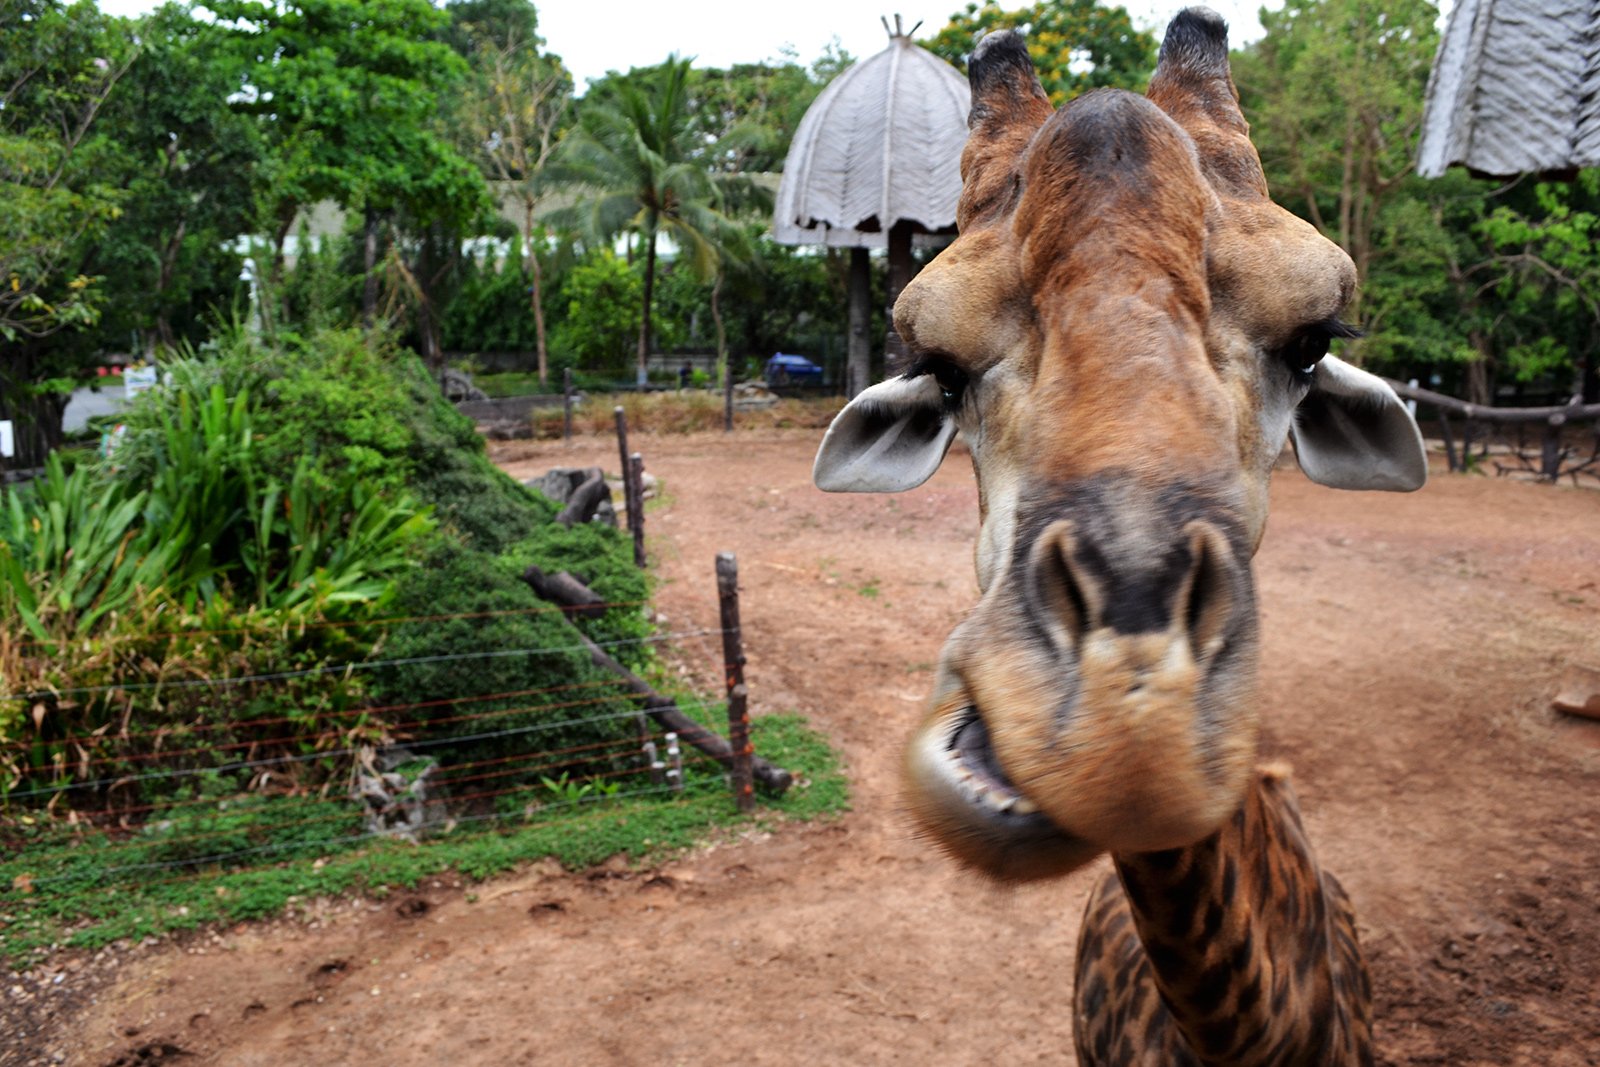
[
  {"x": 59, "y": 887},
  {"x": 516, "y": 383}
]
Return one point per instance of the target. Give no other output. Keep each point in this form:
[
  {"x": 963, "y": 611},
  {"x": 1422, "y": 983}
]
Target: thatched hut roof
[
  {"x": 881, "y": 144},
  {"x": 1513, "y": 89}
]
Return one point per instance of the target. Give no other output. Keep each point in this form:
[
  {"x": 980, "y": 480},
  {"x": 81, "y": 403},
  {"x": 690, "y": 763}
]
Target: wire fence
[{"x": 146, "y": 807}]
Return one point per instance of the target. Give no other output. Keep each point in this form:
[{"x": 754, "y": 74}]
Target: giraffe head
[{"x": 1124, "y": 334}]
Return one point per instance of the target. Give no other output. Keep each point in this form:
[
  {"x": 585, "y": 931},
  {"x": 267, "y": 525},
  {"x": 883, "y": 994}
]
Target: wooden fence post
[
  {"x": 1449, "y": 441},
  {"x": 636, "y": 514},
  {"x": 566, "y": 403},
  {"x": 738, "y": 696},
  {"x": 630, "y": 488},
  {"x": 1551, "y": 453}
]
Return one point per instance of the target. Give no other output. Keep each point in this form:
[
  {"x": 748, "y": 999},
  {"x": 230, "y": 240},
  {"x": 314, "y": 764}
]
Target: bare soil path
[{"x": 1412, "y": 645}]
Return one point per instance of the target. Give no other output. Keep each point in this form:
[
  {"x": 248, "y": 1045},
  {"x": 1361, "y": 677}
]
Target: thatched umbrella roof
[
  {"x": 880, "y": 145},
  {"x": 1513, "y": 90}
]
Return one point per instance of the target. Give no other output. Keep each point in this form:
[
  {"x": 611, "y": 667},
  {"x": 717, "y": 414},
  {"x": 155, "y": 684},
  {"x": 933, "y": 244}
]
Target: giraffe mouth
[
  {"x": 979, "y": 773},
  {"x": 962, "y": 798}
]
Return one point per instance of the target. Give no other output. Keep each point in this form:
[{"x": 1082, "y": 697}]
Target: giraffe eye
[{"x": 1306, "y": 348}]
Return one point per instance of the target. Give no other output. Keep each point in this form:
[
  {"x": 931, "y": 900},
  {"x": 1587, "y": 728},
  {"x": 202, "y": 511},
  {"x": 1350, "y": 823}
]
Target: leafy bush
[
  {"x": 602, "y": 297},
  {"x": 194, "y": 554}
]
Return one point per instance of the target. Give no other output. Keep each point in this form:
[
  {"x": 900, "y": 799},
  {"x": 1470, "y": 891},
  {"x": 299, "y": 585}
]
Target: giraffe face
[{"x": 1124, "y": 334}]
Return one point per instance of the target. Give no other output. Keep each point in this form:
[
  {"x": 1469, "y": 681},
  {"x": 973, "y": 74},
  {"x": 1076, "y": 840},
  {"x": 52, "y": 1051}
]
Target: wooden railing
[{"x": 1556, "y": 457}]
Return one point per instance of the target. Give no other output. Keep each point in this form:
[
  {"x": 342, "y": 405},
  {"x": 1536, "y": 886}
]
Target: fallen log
[
  {"x": 585, "y": 499},
  {"x": 663, "y": 709},
  {"x": 562, "y": 588}
]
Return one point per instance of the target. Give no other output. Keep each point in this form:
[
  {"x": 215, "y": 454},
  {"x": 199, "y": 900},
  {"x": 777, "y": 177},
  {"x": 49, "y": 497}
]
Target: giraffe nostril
[
  {"x": 1068, "y": 600},
  {"x": 1207, "y": 597}
]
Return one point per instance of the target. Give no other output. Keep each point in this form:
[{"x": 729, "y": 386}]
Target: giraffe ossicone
[{"x": 1124, "y": 334}]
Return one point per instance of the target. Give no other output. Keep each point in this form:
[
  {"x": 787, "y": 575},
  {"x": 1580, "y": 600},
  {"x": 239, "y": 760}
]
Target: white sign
[
  {"x": 8, "y": 442},
  {"x": 136, "y": 380}
]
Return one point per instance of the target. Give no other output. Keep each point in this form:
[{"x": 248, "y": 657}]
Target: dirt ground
[{"x": 1412, "y": 647}]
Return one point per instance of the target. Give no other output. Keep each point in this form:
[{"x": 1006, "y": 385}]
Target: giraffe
[{"x": 1124, "y": 334}]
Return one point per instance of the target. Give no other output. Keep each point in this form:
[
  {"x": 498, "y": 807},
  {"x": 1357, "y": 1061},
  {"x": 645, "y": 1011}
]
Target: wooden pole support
[
  {"x": 663, "y": 709},
  {"x": 738, "y": 695}
]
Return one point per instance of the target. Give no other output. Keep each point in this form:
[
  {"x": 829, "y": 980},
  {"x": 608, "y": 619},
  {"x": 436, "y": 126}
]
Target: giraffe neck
[{"x": 1252, "y": 947}]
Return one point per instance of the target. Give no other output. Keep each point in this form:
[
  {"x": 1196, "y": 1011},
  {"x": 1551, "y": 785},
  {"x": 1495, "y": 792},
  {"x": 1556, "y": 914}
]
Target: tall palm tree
[{"x": 637, "y": 168}]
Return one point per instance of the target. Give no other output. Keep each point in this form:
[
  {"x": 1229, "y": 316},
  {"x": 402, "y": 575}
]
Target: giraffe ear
[
  {"x": 890, "y": 438},
  {"x": 1352, "y": 432}
]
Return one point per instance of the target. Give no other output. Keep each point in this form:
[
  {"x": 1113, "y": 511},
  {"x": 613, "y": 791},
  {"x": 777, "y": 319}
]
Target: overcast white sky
[{"x": 594, "y": 36}]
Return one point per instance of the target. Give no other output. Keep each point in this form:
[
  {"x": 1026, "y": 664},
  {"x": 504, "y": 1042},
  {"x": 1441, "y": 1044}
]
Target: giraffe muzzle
[{"x": 1105, "y": 688}]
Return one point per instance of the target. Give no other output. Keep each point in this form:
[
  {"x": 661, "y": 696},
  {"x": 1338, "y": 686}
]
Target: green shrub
[{"x": 266, "y": 508}]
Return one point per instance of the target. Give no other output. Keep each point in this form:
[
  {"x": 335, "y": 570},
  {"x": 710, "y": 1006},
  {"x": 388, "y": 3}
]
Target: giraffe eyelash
[{"x": 951, "y": 378}]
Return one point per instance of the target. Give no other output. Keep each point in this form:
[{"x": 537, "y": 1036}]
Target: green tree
[
  {"x": 513, "y": 110},
  {"x": 1547, "y": 256},
  {"x": 1333, "y": 93},
  {"x": 58, "y": 66},
  {"x": 746, "y": 114},
  {"x": 603, "y": 295},
  {"x": 347, "y": 92},
  {"x": 475, "y": 23},
  {"x": 637, "y": 168},
  {"x": 1076, "y": 45},
  {"x": 183, "y": 160}
]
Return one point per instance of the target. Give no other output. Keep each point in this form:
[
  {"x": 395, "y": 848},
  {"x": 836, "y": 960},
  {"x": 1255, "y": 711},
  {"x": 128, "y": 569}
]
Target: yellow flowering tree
[{"x": 1076, "y": 45}]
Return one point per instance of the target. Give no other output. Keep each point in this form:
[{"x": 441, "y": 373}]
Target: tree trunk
[
  {"x": 722, "y": 334},
  {"x": 642, "y": 370},
  {"x": 369, "y": 263},
  {"x": 165, "y": 336},
  {"x": 1480, "y": 376},
  {"x": 902, "y": 268},
  {"x": 858, "y": 361},
  {"x": 535, "y": 293}
]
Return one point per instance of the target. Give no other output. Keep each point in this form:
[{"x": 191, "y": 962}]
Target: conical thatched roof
[
  {"x": 1514, "y": 89},
  {"x": 881, "y": 144}
]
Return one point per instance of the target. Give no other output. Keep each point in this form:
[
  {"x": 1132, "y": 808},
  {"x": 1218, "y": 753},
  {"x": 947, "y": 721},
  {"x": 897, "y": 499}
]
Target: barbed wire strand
[
  {"x": 447, "y": 657},
  {"x": 273, "y": 720},
  {"x": 268, "y": 742},
  {"x": 355, "y": 665},
  {"x": 544, "y": 609},
  {"x": 686, "y": 706}
]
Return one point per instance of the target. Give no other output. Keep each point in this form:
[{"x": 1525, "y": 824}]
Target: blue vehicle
[{"x": 785, "y": 369}]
